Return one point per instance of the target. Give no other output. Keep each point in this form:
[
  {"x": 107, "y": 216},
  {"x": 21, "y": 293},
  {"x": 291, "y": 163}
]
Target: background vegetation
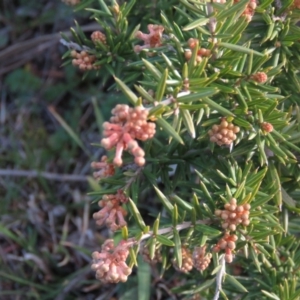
[{"x": 46, "y": 230}]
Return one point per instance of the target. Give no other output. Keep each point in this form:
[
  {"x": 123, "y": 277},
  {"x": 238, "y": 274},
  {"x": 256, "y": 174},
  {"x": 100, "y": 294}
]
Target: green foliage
[
  {"x": 198, "y": 176},
  {"x": 27, "y": 82},
  {"x": 188, "y": 177}
]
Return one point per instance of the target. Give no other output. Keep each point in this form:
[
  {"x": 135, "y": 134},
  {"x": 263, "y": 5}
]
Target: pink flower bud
[
  {"x": 109, "y": 265},
  {"x": 118, "y": 161},
  {"x": 267, "y": 127}
]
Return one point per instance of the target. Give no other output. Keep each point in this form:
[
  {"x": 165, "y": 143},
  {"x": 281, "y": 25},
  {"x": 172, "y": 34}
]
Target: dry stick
[
  {"x": 46, "y": 175},
  {"x": 85, "y": 223}
]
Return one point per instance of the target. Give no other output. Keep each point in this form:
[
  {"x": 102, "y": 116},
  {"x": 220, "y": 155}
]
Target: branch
[
  {"x": 219, "y": 278},
  {"x": 212, "y": 23},
  {"x": 170, "y": 100},
  {"x": 19, "y": 53},
  {"x": 46, "y": 175},
  {"x": 179, "y": 227}
]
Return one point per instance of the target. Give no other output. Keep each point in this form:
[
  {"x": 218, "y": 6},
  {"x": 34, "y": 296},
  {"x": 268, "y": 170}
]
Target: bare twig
[
  {"x": 46, "y": 175},
  {"x": 18, "y": 54},
  {"x": 171, "y": 99},
  {"x": 161, "y": 231},
  {"x": 219, "y": 278},
  {"x": 85, "y": 223},
  {"x": 212, "y": 22}
]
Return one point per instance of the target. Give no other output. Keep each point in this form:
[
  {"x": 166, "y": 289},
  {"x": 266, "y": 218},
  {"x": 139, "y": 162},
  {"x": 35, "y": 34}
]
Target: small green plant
[{"x": 202, "y": 167}]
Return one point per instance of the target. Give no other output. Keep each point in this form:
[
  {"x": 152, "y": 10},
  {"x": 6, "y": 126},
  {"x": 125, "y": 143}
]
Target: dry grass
[{"x": 46, "y": 230}]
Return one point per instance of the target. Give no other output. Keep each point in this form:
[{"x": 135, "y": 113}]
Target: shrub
[{"x": 202, "y": 168}]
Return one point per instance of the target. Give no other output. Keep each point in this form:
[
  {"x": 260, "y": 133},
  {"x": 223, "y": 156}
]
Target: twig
[
  {"x": 161, "y": 231},
  {"x": 46, "y": 175},
  {"x": 18, "y": 54},
  {"x": 219, "y": 278},
  {"x": 170, "y": 100},
  {"x": 85, "y": 223},
  {"x": 72, "y": 45},
  {"x": 212, "y": 23}
]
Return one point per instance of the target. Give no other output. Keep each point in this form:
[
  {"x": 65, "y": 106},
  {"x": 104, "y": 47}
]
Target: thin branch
[
  {"x": 170, "y": 100},
  {"x": 19, "y": 53},
  {"x": 219, "y": 278},
  {"x": 212, "y": 23},
  {"x": 46, "y": 175},
  {"x": 178, "y": 227}
]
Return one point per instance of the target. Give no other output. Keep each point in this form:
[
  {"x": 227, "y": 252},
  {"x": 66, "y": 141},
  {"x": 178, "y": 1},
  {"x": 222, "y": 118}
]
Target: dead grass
[{"x": 46, "y": 230}]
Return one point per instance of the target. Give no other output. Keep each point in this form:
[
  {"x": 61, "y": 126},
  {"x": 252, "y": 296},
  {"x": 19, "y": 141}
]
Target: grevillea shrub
[{"x": 201, "y": 174}]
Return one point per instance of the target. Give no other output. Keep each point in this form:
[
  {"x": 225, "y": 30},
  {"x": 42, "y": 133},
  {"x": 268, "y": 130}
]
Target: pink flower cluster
[
  {"x": 146, "y": 255},
  {"x": 296, "y": 4},
  {"x": 152, "y": 39},
  {"x": 227, "y": 243},
  {"x": 234, "y": 215},
  {"x": 187, "y": 261},
  {"x": 250, "y": 9},
  {"x": 84, "y": 60},
  {"x": 110, "y": 264},
  {"x": 111, "y": 212},
  {"x": 201, "y": 259},
  {"x": 98, "y": 37},
  {"x": 127, "y": 125},
  {"x": 105, "y": 169},
  {"x": 224, "y": 133},
  {"x": 202, "y": 52},
  {"x": 267, "y": 127},
  {"x": 260, "y": 77}
]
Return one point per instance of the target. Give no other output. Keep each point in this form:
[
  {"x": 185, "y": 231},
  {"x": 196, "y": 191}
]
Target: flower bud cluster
[
  {"x": 98, "y": 37},
  {"x": 84, "y": 60},
  {"x": 296, "y": 4},
  {"x": 201, "y": 259},
  {"x": 187, "y": 261},
  {"x": 202, "y": 52},
  {"x": 260, "y": 77},
  {"x": 71, "y": 2},
  {"x": 110, "y": 264},
  {"x": 267, "y": 127},
  {"x": 111, "y": 212},
  {"x": 116, "y": 8},
  {"x": 151, "y": 40},
  {"x": 146, "y": 255},
  {"x": 223, "y": 134},
  {"x": 125, "y": 126},
  {"x": 234, "y": 215},
  {"x": 227, "y": 243},
  {"x": 105, "y": 169},
  {"x": 249, "y": 10}
]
